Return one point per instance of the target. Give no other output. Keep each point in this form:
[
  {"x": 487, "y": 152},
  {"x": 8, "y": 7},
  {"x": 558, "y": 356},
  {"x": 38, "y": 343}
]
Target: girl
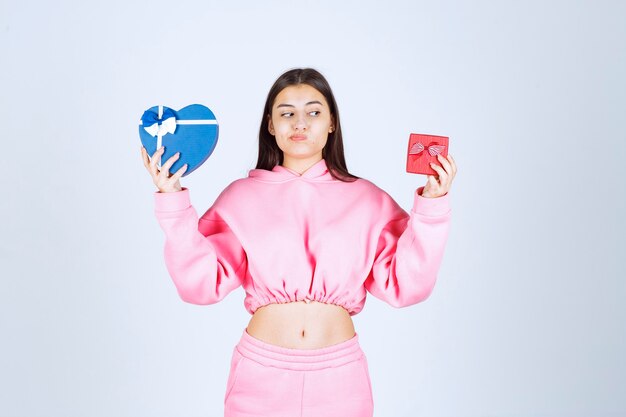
[{"x": 306, "y": 239}]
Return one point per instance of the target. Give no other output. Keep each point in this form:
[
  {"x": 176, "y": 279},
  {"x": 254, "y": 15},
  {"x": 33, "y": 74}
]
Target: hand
[
  {"x": 439, "y": 185},
  {"x": 165, "y": 182}
]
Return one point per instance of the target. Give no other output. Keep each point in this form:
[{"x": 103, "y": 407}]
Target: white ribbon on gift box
[{"x": 169, "y": 126}]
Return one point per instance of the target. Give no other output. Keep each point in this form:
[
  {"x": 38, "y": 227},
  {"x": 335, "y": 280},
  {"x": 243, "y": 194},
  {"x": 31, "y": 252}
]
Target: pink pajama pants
[{"x": 266, "y": 380}]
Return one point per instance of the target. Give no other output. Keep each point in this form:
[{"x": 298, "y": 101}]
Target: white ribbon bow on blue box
[{"x": 192, "y": 131}]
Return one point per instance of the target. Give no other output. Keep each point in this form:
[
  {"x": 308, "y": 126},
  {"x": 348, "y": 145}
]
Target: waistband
[{"x": 268, "y": 354}]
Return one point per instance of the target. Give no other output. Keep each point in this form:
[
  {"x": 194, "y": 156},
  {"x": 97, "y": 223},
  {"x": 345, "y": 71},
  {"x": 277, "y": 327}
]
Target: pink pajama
[{"x": 266, "y": 380}]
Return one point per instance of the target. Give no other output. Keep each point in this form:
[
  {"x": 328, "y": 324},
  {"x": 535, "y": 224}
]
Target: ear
[
  {"x": 332, "y": 124},
  {"x": 270, "y": 126}
]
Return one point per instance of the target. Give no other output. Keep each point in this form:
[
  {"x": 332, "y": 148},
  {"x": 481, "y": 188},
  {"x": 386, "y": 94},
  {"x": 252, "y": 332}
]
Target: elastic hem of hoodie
[
  {"x": 256, "y": 304},
  {"x": 171, "y": 202},
  {"x": 268, "y": 354},
  {"x": 431, "y": 207}
]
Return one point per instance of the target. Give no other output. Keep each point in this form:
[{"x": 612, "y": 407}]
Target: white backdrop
[{"x": 527, "y": 318}]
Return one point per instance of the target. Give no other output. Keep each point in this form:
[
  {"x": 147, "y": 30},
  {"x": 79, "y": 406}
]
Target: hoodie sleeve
[
  {"x": 410, "y": 250},
  {"x": 203, "y": 257}
]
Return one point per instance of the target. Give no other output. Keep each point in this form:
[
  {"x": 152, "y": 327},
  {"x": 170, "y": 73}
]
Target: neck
[{"x": 300, "y": 164}]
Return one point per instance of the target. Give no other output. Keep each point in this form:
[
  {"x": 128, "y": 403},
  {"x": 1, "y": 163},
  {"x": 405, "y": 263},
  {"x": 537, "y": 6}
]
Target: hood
[{"x": 317, "y": 172}]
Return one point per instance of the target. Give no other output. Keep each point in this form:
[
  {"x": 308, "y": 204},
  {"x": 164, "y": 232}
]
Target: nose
[{"x": 300, "y": 122}]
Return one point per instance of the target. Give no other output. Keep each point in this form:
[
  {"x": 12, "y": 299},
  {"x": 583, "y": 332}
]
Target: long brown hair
[{"x": 271, "y": 155}]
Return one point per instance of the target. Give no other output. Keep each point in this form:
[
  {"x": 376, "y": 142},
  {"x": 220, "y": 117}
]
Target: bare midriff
[{"x": 301, "y": 324}]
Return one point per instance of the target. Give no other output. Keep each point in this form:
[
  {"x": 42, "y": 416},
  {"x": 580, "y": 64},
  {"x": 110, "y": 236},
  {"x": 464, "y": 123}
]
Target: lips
[{"x": 298, "y": 137}]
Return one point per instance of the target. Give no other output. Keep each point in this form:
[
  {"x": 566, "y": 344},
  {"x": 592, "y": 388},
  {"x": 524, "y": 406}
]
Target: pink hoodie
[{"x": 289, "y": 237}]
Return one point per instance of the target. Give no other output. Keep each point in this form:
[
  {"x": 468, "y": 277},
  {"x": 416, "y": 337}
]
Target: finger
[
  {"x": 168, "y": 164},
  {"x": 144, "y": 157},
  {"x": 445, "y": 183},
  {"x": 156, "y": 152},
  {"x": 432, "y": 183},
  {"x": 444, "y": 178},
  {"x": 179, "y": 173},
  {"x": 452, "y": 163},
  {"x": 443, "y": 175},
  {"x": 446, "y": 165},
  {"x": 435, "y": 188},
  {"x": 148, "y": 164},
  {"x": 155, "y": 157},
  {"x": 164, "y": 174}
]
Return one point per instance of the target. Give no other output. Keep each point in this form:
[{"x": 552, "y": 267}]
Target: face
[{"x": 300, "y": 122}]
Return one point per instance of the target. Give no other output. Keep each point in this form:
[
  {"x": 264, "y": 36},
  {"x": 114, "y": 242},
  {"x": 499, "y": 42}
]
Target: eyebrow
[{"x": 289, "y": 105}]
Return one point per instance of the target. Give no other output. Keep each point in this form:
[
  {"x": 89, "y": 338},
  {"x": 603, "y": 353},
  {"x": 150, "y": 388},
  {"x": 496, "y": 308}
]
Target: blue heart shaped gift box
[{"x": 192, "y": 131}]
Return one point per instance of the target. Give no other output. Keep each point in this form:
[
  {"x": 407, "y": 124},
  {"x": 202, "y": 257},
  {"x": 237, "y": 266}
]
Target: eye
[
  {"x": 315, "y": 111},
  {"x": 287, "y": 114}
]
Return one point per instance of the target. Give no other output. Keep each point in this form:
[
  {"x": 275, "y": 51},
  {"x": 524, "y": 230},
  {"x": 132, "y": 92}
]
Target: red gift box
[{"x": 423, "y": 149}]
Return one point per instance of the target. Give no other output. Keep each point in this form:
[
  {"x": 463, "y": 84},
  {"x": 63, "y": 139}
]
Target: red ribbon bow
[{"x": 433, "y": 150}]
